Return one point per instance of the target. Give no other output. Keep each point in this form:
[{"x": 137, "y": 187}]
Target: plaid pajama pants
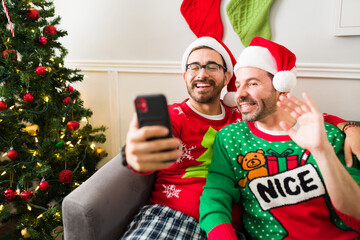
[{"x": 161, "y": 222}]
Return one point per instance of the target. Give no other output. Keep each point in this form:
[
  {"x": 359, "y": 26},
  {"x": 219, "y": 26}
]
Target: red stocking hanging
[{"x": 203, "y": 17}]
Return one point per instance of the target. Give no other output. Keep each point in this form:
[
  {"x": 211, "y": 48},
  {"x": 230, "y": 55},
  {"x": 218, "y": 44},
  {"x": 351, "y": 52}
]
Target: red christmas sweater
[{"x": 181, "y": 185}]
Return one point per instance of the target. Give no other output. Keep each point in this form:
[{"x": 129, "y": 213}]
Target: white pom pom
[
  {"x": 284, "y": 81},
  {"x": 229, "y": 99}
]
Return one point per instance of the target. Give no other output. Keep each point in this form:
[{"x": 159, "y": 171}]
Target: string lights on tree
[{"x": 45, "y": 152}]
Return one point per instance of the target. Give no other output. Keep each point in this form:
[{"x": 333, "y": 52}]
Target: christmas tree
[{"x": 47, "y": 145}]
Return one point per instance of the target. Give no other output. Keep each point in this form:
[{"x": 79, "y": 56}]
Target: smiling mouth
[
  {"x": 247, "y": 107},
  {"x": 247, "y": 104},
  {"x": 203, "y": 84}
]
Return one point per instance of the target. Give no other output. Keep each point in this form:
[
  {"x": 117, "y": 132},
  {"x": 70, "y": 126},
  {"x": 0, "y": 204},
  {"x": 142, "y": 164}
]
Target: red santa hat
[
  {"x": 212, "y": 42},
  {"x": 273, "y": 58}
]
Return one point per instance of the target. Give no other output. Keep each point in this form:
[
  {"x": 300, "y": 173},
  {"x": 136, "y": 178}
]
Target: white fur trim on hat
[
  {"x": 258, "y": 57},
  {"x": 229, "y": 99},
  {"x": 211, "y": 43},
  {"x": 284, "y": 81}
]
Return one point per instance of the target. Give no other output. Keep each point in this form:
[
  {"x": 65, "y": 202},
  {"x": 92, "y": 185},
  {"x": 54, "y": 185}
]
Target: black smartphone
[{"x": 153, "y": 110}]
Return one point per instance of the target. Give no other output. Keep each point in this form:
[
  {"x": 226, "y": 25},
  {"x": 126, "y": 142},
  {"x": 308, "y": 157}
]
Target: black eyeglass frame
[{"x": 204, "y": 66}]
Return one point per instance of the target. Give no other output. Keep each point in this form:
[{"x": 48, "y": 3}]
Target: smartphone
[{"x": 153, "y": 110}]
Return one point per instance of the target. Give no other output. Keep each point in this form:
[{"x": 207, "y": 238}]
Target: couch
[{"x": 98, "y": 210}]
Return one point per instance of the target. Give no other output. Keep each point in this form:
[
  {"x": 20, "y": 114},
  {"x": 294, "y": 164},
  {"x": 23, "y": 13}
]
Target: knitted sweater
[
  {"x": 279, "y": 185},
  {"x": 180, "y": 185}
]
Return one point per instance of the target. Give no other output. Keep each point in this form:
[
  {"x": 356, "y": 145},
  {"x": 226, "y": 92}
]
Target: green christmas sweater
[{"x": 278, "y": 183}]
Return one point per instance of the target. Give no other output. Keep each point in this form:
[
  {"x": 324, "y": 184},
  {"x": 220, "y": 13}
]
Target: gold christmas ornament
[
  {"x": 25, "y": 233},
  {"x": 32, "y": 129},
  {"x": 100, "y": 152}
]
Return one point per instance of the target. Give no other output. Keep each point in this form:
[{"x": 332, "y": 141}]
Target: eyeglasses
[{"x": 210, "y": 68}]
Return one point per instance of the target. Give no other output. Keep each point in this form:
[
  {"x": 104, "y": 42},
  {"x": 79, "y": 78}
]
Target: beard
[
  {"x": 208, "y": 95},
  {"x": 265, "y": 107}
]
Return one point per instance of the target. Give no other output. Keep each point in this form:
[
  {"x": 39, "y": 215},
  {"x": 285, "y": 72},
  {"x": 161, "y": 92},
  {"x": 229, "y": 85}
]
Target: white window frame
[{"x": 352, "y": 27}]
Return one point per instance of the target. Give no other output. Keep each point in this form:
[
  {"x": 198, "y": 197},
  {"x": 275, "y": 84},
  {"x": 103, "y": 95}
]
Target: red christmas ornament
[
  {"x": 65, "y": 176},
  {"x": 50, "y": 30},
  {"x": 12, "y": 154},
  {"x": 70, "y": 89},
  {"x": 43, "y": 185},
  {"x": 67, "y": 100},
  {"x": 9, "y": 194},
  {"x": 42, "y": 40},
  {"x": 28, "y": 97},
  {"x": 73, "y": 125},
  {"x": 40, "y": 70},
  {"x": 33, "y": 14},
  {"x": 7, "y": 51},
  {"x": 26, "y": 195},
  {"x": 3, "y": 105}
]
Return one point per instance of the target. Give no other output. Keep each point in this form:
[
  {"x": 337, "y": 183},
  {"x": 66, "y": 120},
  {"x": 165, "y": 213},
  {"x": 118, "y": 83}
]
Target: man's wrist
[
  {"x": 123, "y": 155},
  {"x": 349, "y": 125},
  {"x": 125, "y": 163},
  {"x": 323, "y": 152}
]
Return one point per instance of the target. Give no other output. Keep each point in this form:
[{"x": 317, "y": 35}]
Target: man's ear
[
  {"x": 184, "y": 77},
  {"x": 227, "y": 78},
  {"x": 281, "y": 93}
]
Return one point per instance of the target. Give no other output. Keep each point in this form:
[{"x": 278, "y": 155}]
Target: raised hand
[{"x": 311, "y": 134}]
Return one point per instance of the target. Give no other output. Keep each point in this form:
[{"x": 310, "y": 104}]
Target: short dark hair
[{"x": 271, "y": 76}]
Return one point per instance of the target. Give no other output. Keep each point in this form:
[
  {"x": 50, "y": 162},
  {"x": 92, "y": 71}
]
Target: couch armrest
[{"x": 104, "y": 204}]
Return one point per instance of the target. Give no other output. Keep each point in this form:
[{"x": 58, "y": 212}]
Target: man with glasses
[{"x": 175, "y": 200}]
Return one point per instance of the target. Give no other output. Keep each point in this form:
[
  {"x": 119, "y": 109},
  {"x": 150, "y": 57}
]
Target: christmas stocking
[
  {"x": 249, "y": 18},
  {"x": 203, "y": 17}
]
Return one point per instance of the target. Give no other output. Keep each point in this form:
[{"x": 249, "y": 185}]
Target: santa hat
[
  {"x": 216, "y": 44},
  {"x": 273, "y": 58}
]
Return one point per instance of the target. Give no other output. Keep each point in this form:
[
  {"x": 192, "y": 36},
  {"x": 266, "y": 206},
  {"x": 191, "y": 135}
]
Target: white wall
[{"x": 131, "y": 47}]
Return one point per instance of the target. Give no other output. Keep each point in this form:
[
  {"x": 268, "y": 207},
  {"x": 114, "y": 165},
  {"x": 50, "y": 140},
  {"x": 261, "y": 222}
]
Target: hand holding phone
[{"x": 161, "y": 152}]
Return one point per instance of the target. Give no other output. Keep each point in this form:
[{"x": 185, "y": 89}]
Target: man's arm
[
  {"x": 146, "y": 156},
  {"x": 352, "y": 143},
  {"x": 343, "y": 190},
  {"x": 219, "y": 194},
  {"x": 352, "y": 140}
]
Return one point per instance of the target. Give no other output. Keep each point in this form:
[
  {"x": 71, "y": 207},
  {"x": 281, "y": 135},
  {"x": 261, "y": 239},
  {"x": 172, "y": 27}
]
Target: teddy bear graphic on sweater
[{"x": 254, "y": 163}]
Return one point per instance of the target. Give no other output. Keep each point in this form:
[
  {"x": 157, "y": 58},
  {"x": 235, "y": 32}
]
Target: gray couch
[{"x": 98, "y": 210}]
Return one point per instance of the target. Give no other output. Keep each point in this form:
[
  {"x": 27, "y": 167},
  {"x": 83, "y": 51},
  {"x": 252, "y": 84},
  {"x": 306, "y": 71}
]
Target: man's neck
[
  {"x": 272, "y": 122},
  {"x": 212, "y": 108}
]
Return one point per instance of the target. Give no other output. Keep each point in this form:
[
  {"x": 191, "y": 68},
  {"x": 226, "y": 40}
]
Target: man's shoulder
[
  {"x": 177, "y": 107},
  {"x": 333, "y": 132},
  {"x": 178, "y": 104},
  {"x": 234, "y": 127}
]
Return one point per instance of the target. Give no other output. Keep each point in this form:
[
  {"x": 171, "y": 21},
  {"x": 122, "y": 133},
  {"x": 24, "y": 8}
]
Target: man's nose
[
  {"x": 241, "y": 92},
  {"x": 202, "y": 73}
]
